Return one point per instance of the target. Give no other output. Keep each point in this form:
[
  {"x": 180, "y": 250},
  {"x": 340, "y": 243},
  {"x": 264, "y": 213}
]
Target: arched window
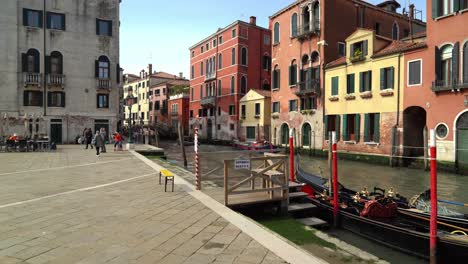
[
  {"x": 293, "y": 73},
  {"x": 276, "y": 33},
  {"x": 276, "y": 77},
  {"x": 233, "y": 56},
  {"x": 316, "y": 12},
  {"x": 305, "y": 19},
  {"x": 306, "y": 129},
  {"x": 244, "y": 56},
  {"x": 465, "y": 61},
  {"x": 305, "y": 60},
  {"x": 31, "y": 61},
  {"x": 314, "y": 57},
  {"x": 201, "y": 68},
  {"x": 104, "y": 68},
  {"x": 243, "y": 85},
  {"x": 233, "y": 83},
  {"x": 56, "y": 63},
  {"x": 220, "y": 88},
  {"x": 266, "y": 62},
  {"x": 284, "y": 134},
  {"x": 395, "y": 31},
  {"x": 266, "y": 85},
  {"x": 220, "y": 61},
  {"x": 294, "y": 25},
  {"x": 446, "y": 64},
  {"x": 207, "y": 65}
]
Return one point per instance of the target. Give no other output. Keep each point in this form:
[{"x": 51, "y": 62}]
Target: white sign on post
[{"x": 242, "y": 164}]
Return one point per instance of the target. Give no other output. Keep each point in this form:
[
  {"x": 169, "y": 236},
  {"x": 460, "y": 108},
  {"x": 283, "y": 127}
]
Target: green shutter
[
  {"x": 351, "y": 83},
  {"x": 456, "y": 5},
  {"x": 325, "y": 127},
  {"x": 279, "y": 79},
  {"x": 435, "y": 9},
  {"x": 335, "y": 85},
  {"x": 290, "y": 75},
  {"x": 361, "y": 82},
  {"x": 366, "y": 127},
  {"x": 382, "y": 79},
  {"x": 337, "y": 127},
  {"x": 345, "y": 127},
  {"x": 365, "y": 48},
  {"x": 376, "y": 127},
  {"x": 391, "y": 78},
  {"x": 294, "y": 76},
  {"x": 357, "y": 127}
]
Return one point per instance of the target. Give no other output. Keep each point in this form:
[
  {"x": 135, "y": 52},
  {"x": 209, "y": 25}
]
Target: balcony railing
[
  {"x": 308, "y": 29},
  {"x": 174, "y": 113},
  {"x": 208, "y": 101},
  {"x": 210, "y": 76},
  {"x": 32, "y": 78},
  {"x": 103, "y": 84},
  {"x": 56, "y": 80},
  {"x": 357, "y": 58},
  {"x": 446, "y": 85},
  {"x": 310, "y": 87}
]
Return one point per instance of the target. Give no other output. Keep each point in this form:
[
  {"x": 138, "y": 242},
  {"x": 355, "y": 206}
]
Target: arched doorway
[
  {"x": 306, "y": 129},
  {"x": 462, "y": 141},
  {"x": 284, "y": 134},
  {"x": 209, "y": 130},
  {"x": 414, "y": 121}
]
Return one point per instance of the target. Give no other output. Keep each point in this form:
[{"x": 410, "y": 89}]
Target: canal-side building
[
  {"x": 436, "y": 93},
  {"x": 255, "y": 116},
  {"x": 365, "y": 93},
  {"x": 306, "y": 36},
  {"x": 60, "y": 67},
  {"x": 158, "y": 101},
  {"x": 179, "y": 104},
  {"x": 224, "y": 67}
]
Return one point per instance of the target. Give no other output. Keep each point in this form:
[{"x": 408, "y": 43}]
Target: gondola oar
[{"x": 454, "y": 203}]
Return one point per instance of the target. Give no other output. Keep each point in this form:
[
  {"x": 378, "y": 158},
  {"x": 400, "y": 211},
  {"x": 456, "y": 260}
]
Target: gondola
[
  {"x": 403, "y": 234},
  {"x": 258, "y": 146}
]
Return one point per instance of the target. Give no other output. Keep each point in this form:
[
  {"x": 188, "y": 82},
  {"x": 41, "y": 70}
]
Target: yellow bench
[{"x": 168, "y": 177}]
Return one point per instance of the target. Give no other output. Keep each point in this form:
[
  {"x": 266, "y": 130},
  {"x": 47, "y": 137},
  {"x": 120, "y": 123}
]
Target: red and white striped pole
[
  {"x": 197, "y": 161},
  {"x": 335, "y": 179},
  {"x": 433, "y": 221},
  {"x": 291, "y": 155}
]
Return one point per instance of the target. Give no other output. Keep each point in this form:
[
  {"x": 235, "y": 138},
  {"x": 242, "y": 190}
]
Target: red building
[
  {"x": 436, "y": 93},
  {"x": 178, "y": 105},
  {"x": 224, "y": 67},
  {"x": 307, "y": 35}
]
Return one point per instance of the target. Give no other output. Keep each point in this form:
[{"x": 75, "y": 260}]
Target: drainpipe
[
  {"x": 216, "y": 92},
  {"x": 398, "y": 91},
  {"x": 44, "y": 88}
]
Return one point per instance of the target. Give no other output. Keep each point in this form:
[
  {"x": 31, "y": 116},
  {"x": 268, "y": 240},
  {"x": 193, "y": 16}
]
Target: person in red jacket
[{"x": 117, "y": 141}]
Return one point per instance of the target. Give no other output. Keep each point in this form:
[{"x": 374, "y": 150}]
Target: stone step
[
  {"x": 293, "y": 195},
  {"x": 297, "y": 207},
  {"x": 312, "y": 221}
]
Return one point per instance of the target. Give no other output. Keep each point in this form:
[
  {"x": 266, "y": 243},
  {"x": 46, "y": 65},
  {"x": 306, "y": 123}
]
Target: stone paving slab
[{"x": 126, "y": 222}]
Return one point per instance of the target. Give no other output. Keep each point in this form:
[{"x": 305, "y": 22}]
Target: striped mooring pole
[{"x": 197, "y": 161}]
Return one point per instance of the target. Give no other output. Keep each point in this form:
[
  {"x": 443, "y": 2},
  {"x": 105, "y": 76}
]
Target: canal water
[{"x": 353, "y": 175}]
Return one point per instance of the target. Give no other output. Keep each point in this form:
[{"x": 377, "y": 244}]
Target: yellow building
[
  {"x": 363, "y": 93},
  {"x": 255, "y": 116},
  {"x": 139, "y": 88}
]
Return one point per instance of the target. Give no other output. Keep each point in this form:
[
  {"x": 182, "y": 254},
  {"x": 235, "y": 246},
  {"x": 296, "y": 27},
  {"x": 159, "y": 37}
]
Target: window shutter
[
  {"x": 456, "y": 5},
  {"x": 47, "y": 65},
  {"x": 317, "y": 73},
  {"x": 110, "y": 28},
  {"x": 63, "y": 99},
  {"x": 64, "y": 26},
  {"x": 24, "y": 62},
  {"x": 338, "y": 125},
  {"x": 109, "y": 70},
  {"x": 117, "y": 73},
  {"x": 382, "y": 78},
  {"x": 391, "y": 77},
  {"x": 37, "y": 63},
  {"x": 376, "y": 127},
  {"x": 60, "y": 69},
  {"x": 357, "y": 127},
  {"x": 370, "y": 80},
  {"x": 366, "y": 127},
  {"x": 41, "y": 102},
  {"x": 325, "y": 129},
  {"x": 25, "y": 17},
  {"x": 48, "y": 20},
  {"x": 351, "y": 82},
  {"x": 96, "y": 68},
  {"x": 437, "y": 64},
  {"x": 98, "y": 32},
  {"x": 308, "y": 79},
  {"x": 435, "y": 9},
  {"x": 465, "y": 62},
  {"x": 290, "y": 75},
  {"x": 455, "y": 62},
  {"x": 41, "y": 19},
  {"x": 279, "y": 79},
  {"x": 294, "y": 74},
  {"x": 351, "y": 51},
  {"x": 25, "y": 98},
  {"x": 49, "y": 98},
  {"x": 345, "y": 127},
  {"x": 361, "y": 82},
  {"x": 364, "y": 47}
]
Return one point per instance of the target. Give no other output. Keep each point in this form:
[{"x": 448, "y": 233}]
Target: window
[
  {"x": 201, "y": 68},
  {"x": 308, "y": 103},
  {"x": 243, "y": 114},
  {"x": 192, "y": 74},
  {"x": 350, "y": 83},
  {"x": 143, "y": 84},
  {"x": 32, "y": 18},
  {"x": 316, "y": 13},
  {"x": 386, "y": 78},
  {"x": 276, "y": 78},
  {"x": 266, "y": 63},
  {"x": 207, "y": 46},
  {"x": 55, "y": 21},
  {"x": 377, "y": 28},
  {"x": 220, "y": 40},
  {"x": 257, "y": 109},
  {"x": 219, "y": 110},
  {"x": 365, "y": 81},
  {"x": 395, "y": 31},
  {"x": 266, "y": 40},
  {"x": 243, "y": 85},
  {"x": 219, "y": 87},
  {"x": 31, "y": 61},
  {"x": 151, "y": 105},
  {"x": 441, "y": 131},
  {"x": 102, "y": 101},
  {"x": 341, "y": 49},
  {"x": 231, "y": 127},
  {"x": 104, "y": 27},
  {"x": 244, "y": 56},
  {"x": 233, "y": 83},
  {"x": 234, "y": 33},
  {"x": 351, "y": 125},
  {"x": 201, "y": 49},
  {"x": 292, "y": 105},
  {"x": 465, "y": 58},
  {"x": 214, "y": 43},
  {"x": 191, "y": 114},
  {"x": 334, "y": 91},
  {"x": 232, "y": 110},
  {"x": 233, "y": 56},
  {"x": 359, "y": 49},
  {"x": 332, "y": 123},
  {"x": 446, "y": 65},
  {"x": 293, "y": 73},
  {"x": 193, "y": 53},
  {"x": 266, "y": 86},
  {"x": 405, "y": 33},
  {"x": 103, "y": 68},
  {"x": 157, "y": 92},
  {"x": 276, "y": 33},
  {"x": 201, "y": 92},
  {"x": 32, "y": 98},
  {"x": 275, "y": 107},
  {"x": 56, "y": 99},
  {"x": 250, "y": 132},
  {"x": 372, "y": 127},
  {"x": 294, "y": 25},
  {"x": 220, "y": 61},
  {"x": 444, "y": 7},
  {"x": 414, "y": 72}
]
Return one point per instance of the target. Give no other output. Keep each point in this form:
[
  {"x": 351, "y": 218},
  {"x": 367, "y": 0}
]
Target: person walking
[
  {"x": 98, "y": 142},
  {"x": 89, "y": 138},
  {"x": 117, "y": 141},
  {"x": 104, "y": 139}
]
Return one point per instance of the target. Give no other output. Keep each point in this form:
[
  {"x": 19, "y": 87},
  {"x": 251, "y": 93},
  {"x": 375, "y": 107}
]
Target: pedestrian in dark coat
[
  {"x": 98, "y": 142},
  {"x": 89, "y": 138}
]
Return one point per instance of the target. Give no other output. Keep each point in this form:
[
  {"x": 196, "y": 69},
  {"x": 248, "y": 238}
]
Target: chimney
[
  {"x": 181, "y": 75},
  {"x": 411, "y": 11},
  {"x": 253, "y": 20},
  {"x": 150, "y": 68}
]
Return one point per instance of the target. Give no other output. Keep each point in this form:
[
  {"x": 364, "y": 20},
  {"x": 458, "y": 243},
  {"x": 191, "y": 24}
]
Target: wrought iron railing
[
  {"x": 309, "y": 28},
  {"x": 208, "y": 101},
  {"x": 309, "y": 87},
  {"x": 449, "y": 85},
  {"x": 210, "y": 75}
]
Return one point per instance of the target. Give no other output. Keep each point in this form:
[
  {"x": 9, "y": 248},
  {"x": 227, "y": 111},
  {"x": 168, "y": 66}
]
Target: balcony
[
  {"x": 210, "y": 76},
  {"x": 310, "y": 87},
  {"x": 208, "y": 101},
  {"x": 103, "y": 84},
  {"x": 445, "y": 85},
  {"x": 174, "y": 114},
  {"x": 32, "y": 78},
  {"x": 357, "y": 58},
  {"x": 308, "y": 29},
  {"x": 56, "y": 80}
]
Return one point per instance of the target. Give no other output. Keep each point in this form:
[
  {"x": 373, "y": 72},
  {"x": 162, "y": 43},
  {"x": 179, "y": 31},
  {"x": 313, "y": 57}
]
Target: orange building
[
  {"x": 179, "y": 111},
  {"x": 224, "y": 67}
]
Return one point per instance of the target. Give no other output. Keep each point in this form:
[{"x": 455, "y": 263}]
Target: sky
[{"x": 161, "y": 31}]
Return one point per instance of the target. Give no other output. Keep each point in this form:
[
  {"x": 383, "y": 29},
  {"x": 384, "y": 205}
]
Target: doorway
[
  {"x": 209, "y": 130},
  {"x": 414, "y": 121},
  {"x": 56, "y": 131},
  {"x": 462, "y": 142}
]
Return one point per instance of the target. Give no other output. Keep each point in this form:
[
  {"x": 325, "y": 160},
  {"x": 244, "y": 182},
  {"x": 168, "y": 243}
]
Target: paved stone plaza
[{"x": 71, "y": 207}]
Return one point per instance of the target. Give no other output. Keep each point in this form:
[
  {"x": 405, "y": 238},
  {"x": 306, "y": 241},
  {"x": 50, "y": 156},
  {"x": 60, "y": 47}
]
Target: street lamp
[{"x": 130, "y": 101}]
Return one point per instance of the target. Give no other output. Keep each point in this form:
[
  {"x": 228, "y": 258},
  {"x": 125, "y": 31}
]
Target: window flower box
[
  {"x": 275, "y": 115},
  {"x": 333, "y": 98},
  {"x": 308, "y": 111},
  {"x": 350, "y": 97},
  {"x": 386, "y": 92},
  {"x": 366, "y": 95}
]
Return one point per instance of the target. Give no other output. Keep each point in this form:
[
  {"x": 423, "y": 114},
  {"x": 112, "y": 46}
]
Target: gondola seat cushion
[{"x": 379, "y": 209}]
